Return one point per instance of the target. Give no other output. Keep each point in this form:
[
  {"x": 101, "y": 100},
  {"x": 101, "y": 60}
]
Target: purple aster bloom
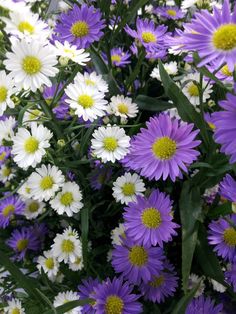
[
  {"x": 230, "y": 276},
  {"x": 213, "y": 36},
  {"x": 119, "y": 57},
  {"x": 62, "y": 112},
  {"x": 223, "y": 236},
  {"x": 9, "y": 207},
  {"x": 22, "y": 241},
  {"x": 5, "y": 152},
  {"x": 50, "y": 92},
  {"x": 203, "y": 305},
  {"x": 136, "y": 262},
  {"x": 209, "y": 120},
  {"x": 169, "y": 12},
  {"x": 148, "y": 221},
  {"x": 80, "y": 26},
  {"x": 155, "y": 52},
  {"x": 39, "y": 230},
  {"x": 167, "y": 146},
  {"x": 70, "y": 175},
  {"x": 161, "y": 286},
  {"x": 86, "y": 290},
  {"x": 116, "y": 297},
  {"x": 228, "y": 188},
  {"x": 224, "y": 74},
  {"x": 225, "y": 132},
  {"x": 99, "y": 177}
]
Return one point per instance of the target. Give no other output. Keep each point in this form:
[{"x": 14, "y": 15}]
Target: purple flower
[
  {"x": 167, "y": 146},
  {"x": 86, "y": 290},
  {"x": 10, "y": 206},
  {"x": 228, "y": 188},
  {"x": 116, "y": 297},
  {"x": 99, "y": 177},
  {"x": 223, "y": 236},
  {"x": 119, "y": 57},
  {"x": 209, "y": 120},
  {"x": 5, "y": 152},
  {"x": 80, "y": 26},
  {"x": 136, "y": 262},
  {"x": 169, "y": 12},
  {"x": 148, "y": 221},
  {"x": 162, "y": 286},
  {"x": 203, "y": 305},
  {"x": 230, "y": 275},
  {"x": 223, "y": 74}
]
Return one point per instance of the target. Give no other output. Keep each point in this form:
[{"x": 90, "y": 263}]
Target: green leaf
[
  {"x": 221, "y": 210},
  {"x": 184, "y": 301},
  {"x": 68, "y": 306},
  {"x": 85, "y": 230},
  {"x": 152, "y": 104}
]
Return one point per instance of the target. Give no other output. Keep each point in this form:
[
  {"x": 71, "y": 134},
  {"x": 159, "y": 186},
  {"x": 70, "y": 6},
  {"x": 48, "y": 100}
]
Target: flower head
[
  {"x": 203, "y": 305},
  {"x": 9, "y": 207},
  {"x": 87, "y": 290}
]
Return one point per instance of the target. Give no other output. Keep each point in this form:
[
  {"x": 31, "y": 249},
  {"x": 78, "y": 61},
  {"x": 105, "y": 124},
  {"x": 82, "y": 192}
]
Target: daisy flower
[
  {"x": 49, "y": 264},
  {"x": 71, "y": 52},
  {"x": 68, "y": 296},
  {"x": 80, "y": 26},
  {"x": 29, "y": 147},
  {"x": 127, "y": 187},
  {"x": 25, "y": 191},
  {"x": 31, "y": 63},
  {"x": 86, "y": 290},
  {"x": 116, "y": 297},
  {"x": 99, "y": 177},
  {"x": 6, "y": 91},
  {"x": 169, "y": 13},
  {"x": 31, "y": 116},
  {"x": 171, "y": 68},
  {"x": 14, "y": 306},
  {"x": 77, "y": 265},
  {"x": 227, "y": 188},
  {"x": 119, "y": 57},
  {"x": 223, "y": 236},
  {"x": 6, "y": 129},
  {"x": 33, "y": 208},
  {"x": 203, "y": 305},
  {"x": 110, "y": 143},
  {"x": 118, "y": 234},
  {"x": 195, "y": 280},
  {"x": 223, "y": 74},
  {"x": 9, "y": 207},
  {"x": 92, "y": 79},
  {"x": 136, "y": 262},
  {"x": 68, "y": 200},
  {"x": 86, "y": 101},
  {"x": 45, "y": 182},
  {"x": 6, "y": 173},
  {"x": 230, "y": 275},
  {"x": 167, "y": 146},
  {"x": 123, "y": 107},
  {"x": 218, "y": 286},
  {"x": 5, "y": 153}
]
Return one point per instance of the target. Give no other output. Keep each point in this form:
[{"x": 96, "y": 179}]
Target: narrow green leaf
[
  {"x": 152, "y": 104},
  {"x": 68, "y": 306},
  {"x": 184, "y": 301},
  {"x": 85, "y": 230},
  {"x": 22, "y": 112},
  {"x": 221, "y": 210}
]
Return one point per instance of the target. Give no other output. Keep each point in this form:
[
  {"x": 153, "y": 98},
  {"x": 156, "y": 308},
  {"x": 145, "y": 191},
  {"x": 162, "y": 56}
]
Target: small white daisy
[
  {"x": 193, "y": 281},
  {"x": 24, "y": 191},
  {"x": 87, "y": 101},
  {"x": 31, "y": 116},
  {"x": 110, "y": 143},
  {"x": 29, "y": 147},
  {"x": 127, "y": 187},
  {"x": 12, "y": 6},
  {"x": 123, "y": 107},
  {"x": 117, "y": 234},
  {"x": 171, "y": 68},
  {"x": 33, "y": 208},
  {"x": 65, "y": 50},
  {"x": 217, "y": 286},
  {"x": 6, "y": 91},
  {"x": 45, "y": 182},
  {"x": 49, "y": 264},
  {"x": 14, "y": 306},
  {"x": 6, "y": 129},
  {"x": 6, "y": 173},
  {"x": 67, "y": 247},
  {"x": 68, "y": 200},
  {"x": 77, "y": 265},
  {"x": 31, "y": 63},
  {"x": 92, "y": 79},
  {"x": 63, "y": 6},
  {"x": 65, "y": 297}
]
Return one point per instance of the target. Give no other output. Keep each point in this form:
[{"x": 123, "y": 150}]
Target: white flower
[
  {"x": 171, "y": 68},
  {"x": 187, "y": 4},
  {"x": 87, "y": 101},
  {"x": 77, "y": 265},
  {"x": 67, "y": 247},
  {"x": 6, "y": 173},
  {"x": 92, "y": 79},
  {"x": 24, "y": 191},
  {"x": 173, "y": 113},
  {"x": 148, "y": 8},
  {"x": 117, "y": 234},
  {"x": 10, "y": 5},
  {"x": 31, "y": 116},
  {"x": 123, "y": 107},
  {"x": 31, "y": 63},
  {"x": 193, "y": 281},
  {"x": 63, "y": 6},
  {"x": 14, "y": 306},
  {"x": 68, "y": 200},
  {"x": 110, "y": 143},
  {"x": 64, "y": 297},
  {"x": 71, "y": 52},
  {"x": 6, "y": 90},
  {"x": 45, "y": 182},
  {"x": 126, "y": 187},
  {"x": 6, "y": 129},
  {"x": 33, "y": 208},
  {"x": 191, "y": 91},
  {"x": 218, "y": 286},
  {"x": 29, "y": 147},
  {"x": 49, "y": 264}
]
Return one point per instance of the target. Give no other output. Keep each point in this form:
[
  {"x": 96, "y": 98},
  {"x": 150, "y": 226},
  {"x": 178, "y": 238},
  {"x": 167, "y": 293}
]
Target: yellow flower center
[
  {"x": 49, "y": 263},
  {"x": 46, "y": 183},
  {"x": 85, "y": 101},
  {"x": 157, "y": 282},
  {"x": 164, "y": 148},
  {"x": 193, "y": 90},
  {"x": 171, "y": 12},
  {"x": 67, "y": 199},
  {"x": 224, "y": 38},
  {"x": 230, "y": 236},
  {"x": 89, "y": 82},
  {"x": 114, "y": 305},
  {"x": 78, "y": 261},
  {"x": 110, "y": 144},
  {"x": 211, "y": 125},
  {"x": 15, "y": 311},
  {"x": 8, "y": 210},
  {"x": 31, "y": 145},
  {"x": 128, "y": 189},
  {"x": 148, "y": 37},
  {"x": 33, "y": 207},
  {"x": 80, "y": 29},
  {"x": 3, "y": 93},
  {"x": 151, "y": 218},
  {"x": 31, "y": 65},
  {"x": 138, "y": 256},
  {"x": 2, "y": 156},
  {"x": 115, "y": 58},
  {"x": 22, "y": 244},
  {"x": 67, "y": 246},
  {"x": 6, "y": 172},
  {"x": 26, "y": 26},
  {"x": 123, "y": 108},
  {"x": 225, "y": 71}
]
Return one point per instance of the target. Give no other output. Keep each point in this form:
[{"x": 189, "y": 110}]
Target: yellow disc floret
[
  {"x": 157, "y": 282},
  {"x": 148, "y": 37},
  {"x": 114, "y": 305},
  {"x": 230, "y": 236},
  {"x": 22, "y": 244},
  {"x": 171, "y": 12},
  {"x": 164, "y": 148},
  {"x": 66, "y": 199},
  {"x": 31, "y": 65},
  {"x": 26, "y": 27},
  {"x": 79, "y": 29},
  {"x": 224, "y": 38},
  {"x": 46, "y": 183},
  {"x": 67, "y": 246},
  {"x": 110, "y": 144},
  {"x": 123, "y": 108},
  {"x": 3, "y": 93},
  {"x": 49, "y": 263},
  {"x": 151, "y": 218},
  {"x": 31, "y": 145},
  {"x": 8, "y": 210},
  {"x": 193, "y": 90},
  {"x": 128, "y": 189},
  {"x": 138, "y": 256},
  {"x": 85, "y": 101}
]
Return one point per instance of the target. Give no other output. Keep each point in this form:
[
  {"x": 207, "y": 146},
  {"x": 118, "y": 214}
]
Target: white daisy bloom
[
  {"x": 45, "y": 182},
  {"x": 77, "y": 265},
  {"x": 191, "y": 91},
  {"x": 63, "y": 6},
  {"x": 68, "y": 200},
  {"x": 6, "y": 129},
  {"x": 187, "y": 4},
  {"x": 64, "y": 297},
  {"x": 71, "y": 52},
  {"x": 67, "y": 247},
  {"x": 14, "y": 306},
  {"x": 110, "y": 143},
  {"x": 123, "y": 107},
  {"x": 117, "y": 234},
  {"x": 6, "y": 173},
  {"x": 12, "y": 6},
  {"x": 127, "y": 187},
  {"x": 92, "y": 79},
  {"x": 49, "y": 264},
  {"x": 31, "y": 116},
  {"x": 6, "y": 91},
  {"x": 218, "y": 286},
  {"x": 31, "y": 63},
  {"x": 24, "y": 191},
  {"x": 87, "y": 101},
  {"x": 171, "y": 68},
  {"x": 33, "y": 208},
  {"x": 193, "y": 281}
]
